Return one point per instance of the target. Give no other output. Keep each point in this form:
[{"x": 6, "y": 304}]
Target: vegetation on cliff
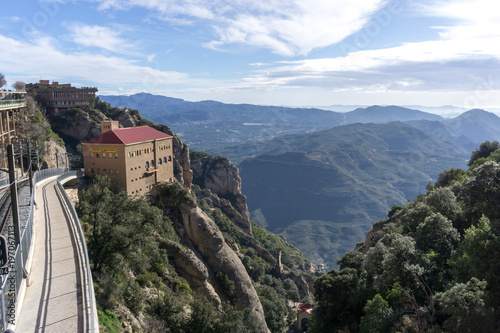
[
  {"x": 432, "y": 266},
  {"x": 136, "y": 247}
]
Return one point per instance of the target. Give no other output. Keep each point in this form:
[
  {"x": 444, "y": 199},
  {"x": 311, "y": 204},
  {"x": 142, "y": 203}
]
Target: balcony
[
  {"x": 151, "y": 170},
  {"x": 12, "y": 104}
]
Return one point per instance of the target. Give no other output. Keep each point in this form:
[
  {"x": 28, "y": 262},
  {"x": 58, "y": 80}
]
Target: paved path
[{"x": 53, "y": 301}]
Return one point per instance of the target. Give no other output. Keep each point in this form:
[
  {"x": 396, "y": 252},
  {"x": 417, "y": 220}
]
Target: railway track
[{"x": 23, "y": 205}]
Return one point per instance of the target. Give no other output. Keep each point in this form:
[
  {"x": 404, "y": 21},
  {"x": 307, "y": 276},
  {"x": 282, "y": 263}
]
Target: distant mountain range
[
  {"x": 321, "y": 178},
  {"x": 220, "y": 128}
]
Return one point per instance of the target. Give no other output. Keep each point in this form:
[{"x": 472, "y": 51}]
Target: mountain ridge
[{"x": 214, "y": 127}]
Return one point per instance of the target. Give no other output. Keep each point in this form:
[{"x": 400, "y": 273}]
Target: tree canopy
[
  {"x": 484, "y": 150},
  {"x": 432, "y": 266}
]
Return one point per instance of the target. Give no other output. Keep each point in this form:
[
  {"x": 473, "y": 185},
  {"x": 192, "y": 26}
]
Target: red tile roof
[
  {"x": 305, "y": 307},
  {"x": 129, "y": 135}
]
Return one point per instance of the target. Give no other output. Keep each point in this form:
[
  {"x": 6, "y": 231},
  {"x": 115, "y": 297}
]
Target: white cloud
[
  {"x": 106, "y": 38},
  {"x": 466, "y": 54},
  {"x": 472, "y": 18},
  {"x": 424, "y": 65},
  {"x": 287, "y": 28},
  {"x": 43, "y": 58}
]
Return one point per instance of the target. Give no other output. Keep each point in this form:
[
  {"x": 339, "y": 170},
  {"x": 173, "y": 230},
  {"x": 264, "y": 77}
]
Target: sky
[{"x": 268, "y": 52}]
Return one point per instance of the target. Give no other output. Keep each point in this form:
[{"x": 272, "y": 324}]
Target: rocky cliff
[
  {"x": 201, "y": 235},
  {"x": 221, "y": 178},
  {"x": 55, "y": 156}
]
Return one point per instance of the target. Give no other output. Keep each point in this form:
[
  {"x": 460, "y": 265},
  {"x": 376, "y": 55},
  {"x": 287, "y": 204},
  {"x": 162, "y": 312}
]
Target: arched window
[
  {"x": 159, "y": 161},
  {"x": 152, "y": 163},
  {"x": 170, "y": 158},
  {"x": 164, "y": 160},
  {"x": 147, "y": 164}
]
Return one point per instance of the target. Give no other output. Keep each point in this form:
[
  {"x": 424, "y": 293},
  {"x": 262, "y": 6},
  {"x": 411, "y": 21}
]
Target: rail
[
  {"x": 14, "y": 281},
  {"x": 11, "y": 283},
  {"x": 7, "y": 104},
  {"x": 86, "y": 275},
  {"x": 4, "y": 182}
]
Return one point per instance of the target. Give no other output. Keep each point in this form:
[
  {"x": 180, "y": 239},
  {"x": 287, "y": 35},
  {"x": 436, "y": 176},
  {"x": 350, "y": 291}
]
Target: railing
[
  {"x": 11, "y": 284},
  {"x": 83, "y": 257},
  {"x": 7, "y": 104}
]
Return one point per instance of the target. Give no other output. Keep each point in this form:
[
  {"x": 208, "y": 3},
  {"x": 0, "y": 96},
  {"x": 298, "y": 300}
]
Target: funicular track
[{"x": 5, "y": 205}]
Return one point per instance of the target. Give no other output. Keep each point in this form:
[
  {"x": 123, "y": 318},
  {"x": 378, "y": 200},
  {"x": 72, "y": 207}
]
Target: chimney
[{"x": 108, "y": 125}]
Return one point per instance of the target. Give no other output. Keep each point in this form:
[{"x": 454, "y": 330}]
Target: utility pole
[
  {"x": 13, "y": 193},
  {"x": 37, "y": 157},
  {"x": 21, "y": 158},
  {"x": 30, "y": 168}
]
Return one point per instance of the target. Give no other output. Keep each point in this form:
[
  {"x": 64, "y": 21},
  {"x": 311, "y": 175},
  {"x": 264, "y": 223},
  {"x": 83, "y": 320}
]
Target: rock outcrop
[
  {"x": 219, "y": 176},
  {"x": 55, "y": 156},
  {"x": 199, "y": 233},
  {"x": 77, "y": 126},
  {"x": 192, "y": 269},
  {"x": 209, "y": 242}
]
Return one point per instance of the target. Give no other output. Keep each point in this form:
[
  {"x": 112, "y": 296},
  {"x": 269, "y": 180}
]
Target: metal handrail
[
  {"x": 11, "y": 102},
  {"x": 94, "y": 326},
  {"x": 11, "y": 284}
]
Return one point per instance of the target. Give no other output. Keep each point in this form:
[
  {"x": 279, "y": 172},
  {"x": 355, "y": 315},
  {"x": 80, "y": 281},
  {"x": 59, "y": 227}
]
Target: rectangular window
[
  {"x": 116, "y": 155},
  {"x": 91, "y": 154}
]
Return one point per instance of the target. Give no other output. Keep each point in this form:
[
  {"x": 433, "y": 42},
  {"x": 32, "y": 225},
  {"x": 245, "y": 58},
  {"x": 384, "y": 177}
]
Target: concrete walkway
[{"x": 53, "y": 301}]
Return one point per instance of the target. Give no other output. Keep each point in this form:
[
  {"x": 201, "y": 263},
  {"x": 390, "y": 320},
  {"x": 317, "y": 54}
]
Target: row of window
[
  {"x": 152, "y": 163},
  {"x": 160, "y": 161},
  {"x": 103, "y": 155},
  {"x": 57, "y": 94},
  {"x": 148, "y": 188},
  {"x": 70, "y": 103},
  {"x": 146, "y": 151},
  {"x": 111, "y": 171}
]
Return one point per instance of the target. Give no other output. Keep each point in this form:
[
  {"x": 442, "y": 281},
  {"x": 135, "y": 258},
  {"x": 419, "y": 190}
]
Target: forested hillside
[{"x": 431, "y": 266}]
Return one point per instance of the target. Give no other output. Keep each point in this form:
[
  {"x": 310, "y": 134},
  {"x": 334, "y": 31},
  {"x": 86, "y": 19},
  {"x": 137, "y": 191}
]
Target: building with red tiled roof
[
  {"x": 304, "y": 311},
  {"x": 135, "y": 158}
]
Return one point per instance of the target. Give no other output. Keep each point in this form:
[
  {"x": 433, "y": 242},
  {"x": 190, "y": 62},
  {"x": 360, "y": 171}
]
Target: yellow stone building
[{"x": 135, "y": 158}]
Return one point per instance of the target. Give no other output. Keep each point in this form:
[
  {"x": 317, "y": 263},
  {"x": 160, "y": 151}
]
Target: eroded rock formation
[
  {"x": 219, "y": 176},
  {"x": 203, "y": 237}
]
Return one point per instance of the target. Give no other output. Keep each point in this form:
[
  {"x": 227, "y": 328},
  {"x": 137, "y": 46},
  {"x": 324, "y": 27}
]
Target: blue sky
[{"x": 294, "y": 52}]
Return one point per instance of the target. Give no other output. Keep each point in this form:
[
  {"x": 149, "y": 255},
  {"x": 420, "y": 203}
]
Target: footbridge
[{"x": 47, "y": 285}]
